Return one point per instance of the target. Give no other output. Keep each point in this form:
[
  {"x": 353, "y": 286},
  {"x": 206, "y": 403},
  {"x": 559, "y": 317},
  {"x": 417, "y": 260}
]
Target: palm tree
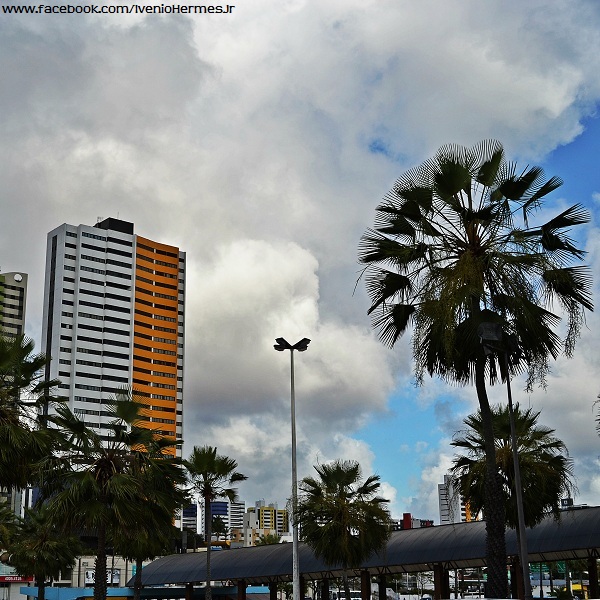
[
  {"x": 219, "y": 527},
  {"x": 546, "y": 471},
  {"x": 41, "y": 548},
  {"x": 108, "y": 485},
  {"x": 452, "y": 248},
  {"x": 341, "y": 517},
  {"x": 22, "y": 392},
  {"x": 212, "y": 476}
]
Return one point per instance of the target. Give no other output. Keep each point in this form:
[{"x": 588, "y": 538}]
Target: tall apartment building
[
  {"x": 13, "y": 296},
  {"x": 453, "y": 508},
  {"x": 232, "y": 514},
  {"x": 114, "y": 316}
]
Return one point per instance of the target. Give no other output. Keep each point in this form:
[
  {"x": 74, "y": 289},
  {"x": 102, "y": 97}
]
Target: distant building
[
  {"x": 410, "y": 522},
  {"x": 453, "y": 508},
  {"x": 232, "y": 514},
  {"x": 114, "y": 317},
  {"x": 261, "y": 520},
  {"x": 13, "y": 296},
  {"x": 13, "y": 299}
]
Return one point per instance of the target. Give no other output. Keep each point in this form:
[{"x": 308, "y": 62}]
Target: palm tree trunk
[
  {"x": 40, "y": 582},
  {"x": 137, "y": 583},
  {"x": 100, "y": 568},
  {"x": 494, "y": 502},
  {"x": 208, "y": 533},
  {"x": 346, "y": 585}
]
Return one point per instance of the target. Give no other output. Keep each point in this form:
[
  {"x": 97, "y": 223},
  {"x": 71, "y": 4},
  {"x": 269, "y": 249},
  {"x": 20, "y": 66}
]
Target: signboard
[
  {"x": 90, "y": 577},
  {"x": 14, "y": 579}
]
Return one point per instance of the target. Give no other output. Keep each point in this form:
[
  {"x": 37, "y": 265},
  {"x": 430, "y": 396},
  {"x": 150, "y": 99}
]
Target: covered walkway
[{"x": 438, "y": 549}]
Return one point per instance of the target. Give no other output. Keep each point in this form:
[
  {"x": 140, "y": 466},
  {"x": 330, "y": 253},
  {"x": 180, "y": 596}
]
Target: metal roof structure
[{"x": 461, "y": 545}]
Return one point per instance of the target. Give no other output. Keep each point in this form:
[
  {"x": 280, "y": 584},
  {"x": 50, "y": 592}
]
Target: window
[
  {"x": 118, "y": 252},
  {"x": 88, "y": 363},
  {"x": 93, "y": 388},
  {"x": 92, "y": 247},
  {"x": 118, "y": 241},
  {"x": 93, "y": 236},
  {"x": 92, "y": 258},
  {"x": 117, "y": 274},
  {"x": 88, "y": 350},
  {"x": 92, "y": 281},
  {"x": 118, "y": 263},
  {"x": 91, "y": 270},
  {"x": 90, "y": 316}
]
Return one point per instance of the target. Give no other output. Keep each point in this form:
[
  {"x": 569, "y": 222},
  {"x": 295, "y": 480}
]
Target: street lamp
[
  {"x": 301, "y": 346},
  {"x": 493, "y": 340}
]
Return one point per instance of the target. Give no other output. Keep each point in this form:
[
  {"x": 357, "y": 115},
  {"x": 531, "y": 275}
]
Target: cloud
[{"x": 260, "y": 144}]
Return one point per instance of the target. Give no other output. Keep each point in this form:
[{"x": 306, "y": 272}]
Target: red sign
[{"x": 14, "y": 579}]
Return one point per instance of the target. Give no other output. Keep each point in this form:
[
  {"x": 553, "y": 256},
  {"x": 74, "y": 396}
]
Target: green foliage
[
  {"x": 268, "y": 539},
  {"x": 454, "y": 238},
  {"x": 454, "y": 246},
  {"x": 41, "y": 548},
  {"x": 546, "y": 471},
  {"x": 212, "y": 476},
  {"x": 128, "y": 485},
  {"x": 219, "y": 528},
  {"x": 22, "y": 392},
  {"x": 340, "y": 516}
]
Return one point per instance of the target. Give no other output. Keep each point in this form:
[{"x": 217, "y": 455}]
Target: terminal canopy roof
[{"x": 461, "y": 545}]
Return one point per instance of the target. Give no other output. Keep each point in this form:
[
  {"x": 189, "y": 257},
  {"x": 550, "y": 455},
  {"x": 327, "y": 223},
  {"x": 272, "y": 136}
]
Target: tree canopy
[
  {"x": 546, "y": 470},
  {"x": 456, "y": 244}
]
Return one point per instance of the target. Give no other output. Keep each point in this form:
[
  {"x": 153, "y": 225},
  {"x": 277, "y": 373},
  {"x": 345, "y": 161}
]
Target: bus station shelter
[{"x": 439, "y": 549}]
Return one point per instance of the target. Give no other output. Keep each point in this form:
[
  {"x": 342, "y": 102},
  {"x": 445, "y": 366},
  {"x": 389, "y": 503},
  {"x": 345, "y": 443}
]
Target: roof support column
[
  {"x": 325, "y": 589},
  {"x": 594, "y": 588},
  {"x": 516, "y": 579},
  {"x": 365, "y": 585},
  {"x": 241, "y": 589},
  {"x": 382, "y": 587},
  {"x": 273, "y": 590},
  {"x": 441, "y": 582},
  {"x": 189, "y": 591}
]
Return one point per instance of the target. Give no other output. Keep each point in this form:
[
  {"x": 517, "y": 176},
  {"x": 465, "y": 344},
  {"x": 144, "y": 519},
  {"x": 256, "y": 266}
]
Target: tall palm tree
[
  {"x": 105, "y": 485},
  {"x": 22, "y": 392},
  {"x": 41, "y": 548},
  {"x": 546, "y": 470},
  {"x": 453, "y": 247},
  {"x": 212, "y": 477},
  {"x": 341, "y": 517}
]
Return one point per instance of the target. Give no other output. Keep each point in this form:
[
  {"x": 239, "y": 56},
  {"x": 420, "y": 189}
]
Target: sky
[{"x": 260, "y": 143}]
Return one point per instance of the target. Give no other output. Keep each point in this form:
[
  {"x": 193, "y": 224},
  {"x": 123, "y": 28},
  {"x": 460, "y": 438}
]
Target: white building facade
[{"x": 113, "y": 316}]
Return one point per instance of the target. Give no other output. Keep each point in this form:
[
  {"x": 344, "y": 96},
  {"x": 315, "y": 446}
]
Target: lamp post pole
[
  {"x": 493, "y": 340},
  {"x": 301, "y": 346},
  {"x": 521, "y": 533}
]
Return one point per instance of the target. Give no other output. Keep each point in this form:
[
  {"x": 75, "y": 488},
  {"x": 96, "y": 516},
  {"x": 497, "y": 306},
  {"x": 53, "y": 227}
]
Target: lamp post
[
  {"x": 493, "y": 340},
  {"x": 300, "y": 346}
]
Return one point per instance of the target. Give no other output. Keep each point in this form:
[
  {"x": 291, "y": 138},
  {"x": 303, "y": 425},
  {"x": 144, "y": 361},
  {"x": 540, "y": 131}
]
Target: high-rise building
[
  {"x": 232, "y": 514},
  {"x": 113, "y": 317},
  {"x": 453, "y": 508},
  {"x": 13, "y": 295}
]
